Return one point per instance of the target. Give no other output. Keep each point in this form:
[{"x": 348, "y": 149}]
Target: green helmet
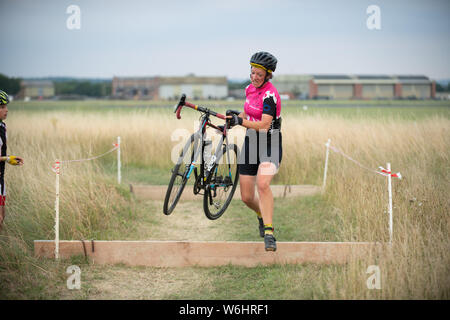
[{"x": 4, "y": 99}]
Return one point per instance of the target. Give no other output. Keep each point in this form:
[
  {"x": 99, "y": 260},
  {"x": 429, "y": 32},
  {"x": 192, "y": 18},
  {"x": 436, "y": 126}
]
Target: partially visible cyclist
[
  {"x": 13, "y": 160},
  {"x": 260, "y": 160}
]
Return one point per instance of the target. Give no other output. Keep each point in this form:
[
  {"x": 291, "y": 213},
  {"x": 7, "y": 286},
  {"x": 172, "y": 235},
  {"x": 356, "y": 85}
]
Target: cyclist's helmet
[
  {"x": 264, "y": 60},
  {"x": 4, "y": 99}
]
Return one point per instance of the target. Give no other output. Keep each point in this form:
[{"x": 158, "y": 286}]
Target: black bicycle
[{"x": 215, "y": 174}]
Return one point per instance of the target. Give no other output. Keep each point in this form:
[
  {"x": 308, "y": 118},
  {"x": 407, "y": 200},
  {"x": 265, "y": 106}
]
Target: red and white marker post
[
  {"x": 119, "y": 173},
  {"x": 390, "y": 175},
  {"x": 384, "y": 172},
  {"x": 57, "y": 167},
  {"x": 326, "y": 165}
]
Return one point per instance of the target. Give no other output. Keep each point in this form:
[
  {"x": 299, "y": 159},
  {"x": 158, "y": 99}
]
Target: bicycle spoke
[
  {"x": 222, "y": 183},
  {"x": 179, "y": 176}
]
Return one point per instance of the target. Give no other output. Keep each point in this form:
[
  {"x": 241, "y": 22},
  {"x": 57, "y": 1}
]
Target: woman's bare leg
[
  {"x": 247, "y": 185},
  {"x": 265, "y": 175}
]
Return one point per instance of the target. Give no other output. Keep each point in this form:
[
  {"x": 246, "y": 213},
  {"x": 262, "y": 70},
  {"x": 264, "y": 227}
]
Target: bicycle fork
[{"x": 190, "y": 170}]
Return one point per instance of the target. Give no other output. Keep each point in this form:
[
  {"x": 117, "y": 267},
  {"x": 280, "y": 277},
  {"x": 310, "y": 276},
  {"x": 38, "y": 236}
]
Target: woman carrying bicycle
[{"x": 262, "y": 150}]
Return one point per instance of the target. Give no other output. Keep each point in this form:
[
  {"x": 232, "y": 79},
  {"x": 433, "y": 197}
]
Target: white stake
[
  {"x": 326, "y": 165},
  {"x": 57, "y": 167},
  {"x": 388, "y": 167},
  {"x": 119, "y": 175}
]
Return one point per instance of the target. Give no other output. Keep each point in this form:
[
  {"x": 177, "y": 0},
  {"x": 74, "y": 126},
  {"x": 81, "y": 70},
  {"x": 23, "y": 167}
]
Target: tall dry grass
[
  {"x": 417, "y": 265},
  {"x": 92, "y": 205}
]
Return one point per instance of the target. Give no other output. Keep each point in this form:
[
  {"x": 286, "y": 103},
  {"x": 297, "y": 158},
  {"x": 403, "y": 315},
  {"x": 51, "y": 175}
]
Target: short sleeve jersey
[{"x": 263, "y": 100}]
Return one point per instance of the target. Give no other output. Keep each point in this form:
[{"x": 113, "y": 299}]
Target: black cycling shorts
[{"x": 253, "y": 154}]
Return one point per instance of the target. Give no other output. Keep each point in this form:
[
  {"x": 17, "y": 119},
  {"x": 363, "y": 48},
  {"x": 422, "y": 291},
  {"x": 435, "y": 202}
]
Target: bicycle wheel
[
  {"x": 180, "y": 175},
  {"x": 221, "y": 183}
]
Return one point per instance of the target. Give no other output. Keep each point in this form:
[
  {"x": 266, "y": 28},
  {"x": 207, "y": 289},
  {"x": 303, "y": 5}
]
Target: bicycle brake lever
[{"x": 180, "y": 105}]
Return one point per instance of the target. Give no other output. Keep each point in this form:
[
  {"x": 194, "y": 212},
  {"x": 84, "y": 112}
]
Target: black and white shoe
[{"x": 270, "y": 242}]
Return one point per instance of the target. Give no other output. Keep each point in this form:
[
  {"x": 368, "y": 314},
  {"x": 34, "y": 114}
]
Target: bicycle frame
[
  {"x": 217, "y": 179},
  {"x": 199, "y": 138}
]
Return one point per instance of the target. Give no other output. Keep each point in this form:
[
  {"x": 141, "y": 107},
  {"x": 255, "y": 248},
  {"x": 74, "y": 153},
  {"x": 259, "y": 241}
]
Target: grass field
[{"x": 413, "y": 136}]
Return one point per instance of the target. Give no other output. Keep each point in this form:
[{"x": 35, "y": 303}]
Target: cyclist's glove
[
  {"x": 235, "y": 120},
  {"x": 13, "y": 160}
]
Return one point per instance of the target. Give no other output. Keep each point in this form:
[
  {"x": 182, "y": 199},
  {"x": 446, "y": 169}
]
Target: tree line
[
  {"x": 442, "y": 88},
  {"x": 10, "y": 85},
  {"x": 83, "y": 88},
  {"x": 63, "y": 86}
]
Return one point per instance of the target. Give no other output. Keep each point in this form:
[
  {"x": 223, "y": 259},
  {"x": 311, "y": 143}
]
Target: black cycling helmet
[
  {"x": 264, "y": 60},
  {"x": 4, "y": 99}
]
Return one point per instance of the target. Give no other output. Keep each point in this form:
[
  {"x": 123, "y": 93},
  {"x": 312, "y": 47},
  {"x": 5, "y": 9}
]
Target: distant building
[
  {"x": 170, "y": 87},
  {"x": 237, "y": 93},
  {"x": 36, "y": 89},
  {"x": 135, "y": 87},
  {"x": 296, "y": 86},
  {"x": 357, "y": 86},
  {"x": 443, "y": 95}
]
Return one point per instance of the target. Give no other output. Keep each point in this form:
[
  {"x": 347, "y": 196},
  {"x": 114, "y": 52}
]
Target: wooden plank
[
  {"x": 204, "y": 253},
  {"x": 157, "y": 192}
]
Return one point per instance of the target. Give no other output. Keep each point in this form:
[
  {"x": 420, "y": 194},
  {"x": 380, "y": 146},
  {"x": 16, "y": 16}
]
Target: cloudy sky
[{"x": 171, "y": 37}]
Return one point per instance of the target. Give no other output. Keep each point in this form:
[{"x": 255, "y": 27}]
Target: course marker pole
[
  {"x": 119, "y": 174},
  {"x": 326, "y": 165},
  {"x": 388, "y": 166},
  {"x": 57, "y": 171},
  {"x": 56, "y": 168}
]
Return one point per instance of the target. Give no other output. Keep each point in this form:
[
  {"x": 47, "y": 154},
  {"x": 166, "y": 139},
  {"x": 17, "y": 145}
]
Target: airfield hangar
[
  {"x": 343, "y": 87},
  {"x": 36, "y": 89},
  {"x": 169, "y": 87}
]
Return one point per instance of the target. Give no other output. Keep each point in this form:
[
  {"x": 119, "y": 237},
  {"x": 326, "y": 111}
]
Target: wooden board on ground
[
  {"x": 158, "y": 192},
  {"x": 204, "y": 253}
]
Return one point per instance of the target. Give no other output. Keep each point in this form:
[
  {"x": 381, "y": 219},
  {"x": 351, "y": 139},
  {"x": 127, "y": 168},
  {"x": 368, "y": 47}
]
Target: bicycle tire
[
  {"x": 213, "y": 180},
  {"x": 173, "y": 195}
]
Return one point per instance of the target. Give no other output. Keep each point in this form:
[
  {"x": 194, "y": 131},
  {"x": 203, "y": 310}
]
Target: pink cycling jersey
[{"x": 254, "y": 103}]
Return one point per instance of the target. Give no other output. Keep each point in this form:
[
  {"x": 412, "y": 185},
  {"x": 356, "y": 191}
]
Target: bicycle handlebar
[{"x": 183, "y": 102}]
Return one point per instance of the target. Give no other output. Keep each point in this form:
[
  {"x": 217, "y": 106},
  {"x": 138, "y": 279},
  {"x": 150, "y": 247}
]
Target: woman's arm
[
  {"x": 13, "y": 160},
  {"x": 264, "y": 124}
]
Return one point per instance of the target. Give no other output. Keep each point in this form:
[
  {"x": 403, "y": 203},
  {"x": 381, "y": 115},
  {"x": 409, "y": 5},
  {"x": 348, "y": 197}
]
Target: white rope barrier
[
  {"x": 384, "y": 172},
  {"x": 56, "y": 168}
]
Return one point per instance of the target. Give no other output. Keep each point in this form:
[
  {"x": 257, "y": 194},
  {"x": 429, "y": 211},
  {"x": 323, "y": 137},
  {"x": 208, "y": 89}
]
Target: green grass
[
  {"x": 295, "y": 219},
  {"x": 349, "y": 109},
  {"x": 137, "y": 173},
  {"x": 147, "y": 175},
  {"x": 279, "y": 282}
]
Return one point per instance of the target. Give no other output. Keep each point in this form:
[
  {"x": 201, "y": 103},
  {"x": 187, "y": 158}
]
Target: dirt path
[
  {"x": 187, "y": 222},
  {"x": 122, "y": 282},
  {"x": 157, "y": 192}
]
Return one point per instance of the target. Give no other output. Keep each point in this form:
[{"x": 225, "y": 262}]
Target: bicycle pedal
[{"x": 197, "y": 192}]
